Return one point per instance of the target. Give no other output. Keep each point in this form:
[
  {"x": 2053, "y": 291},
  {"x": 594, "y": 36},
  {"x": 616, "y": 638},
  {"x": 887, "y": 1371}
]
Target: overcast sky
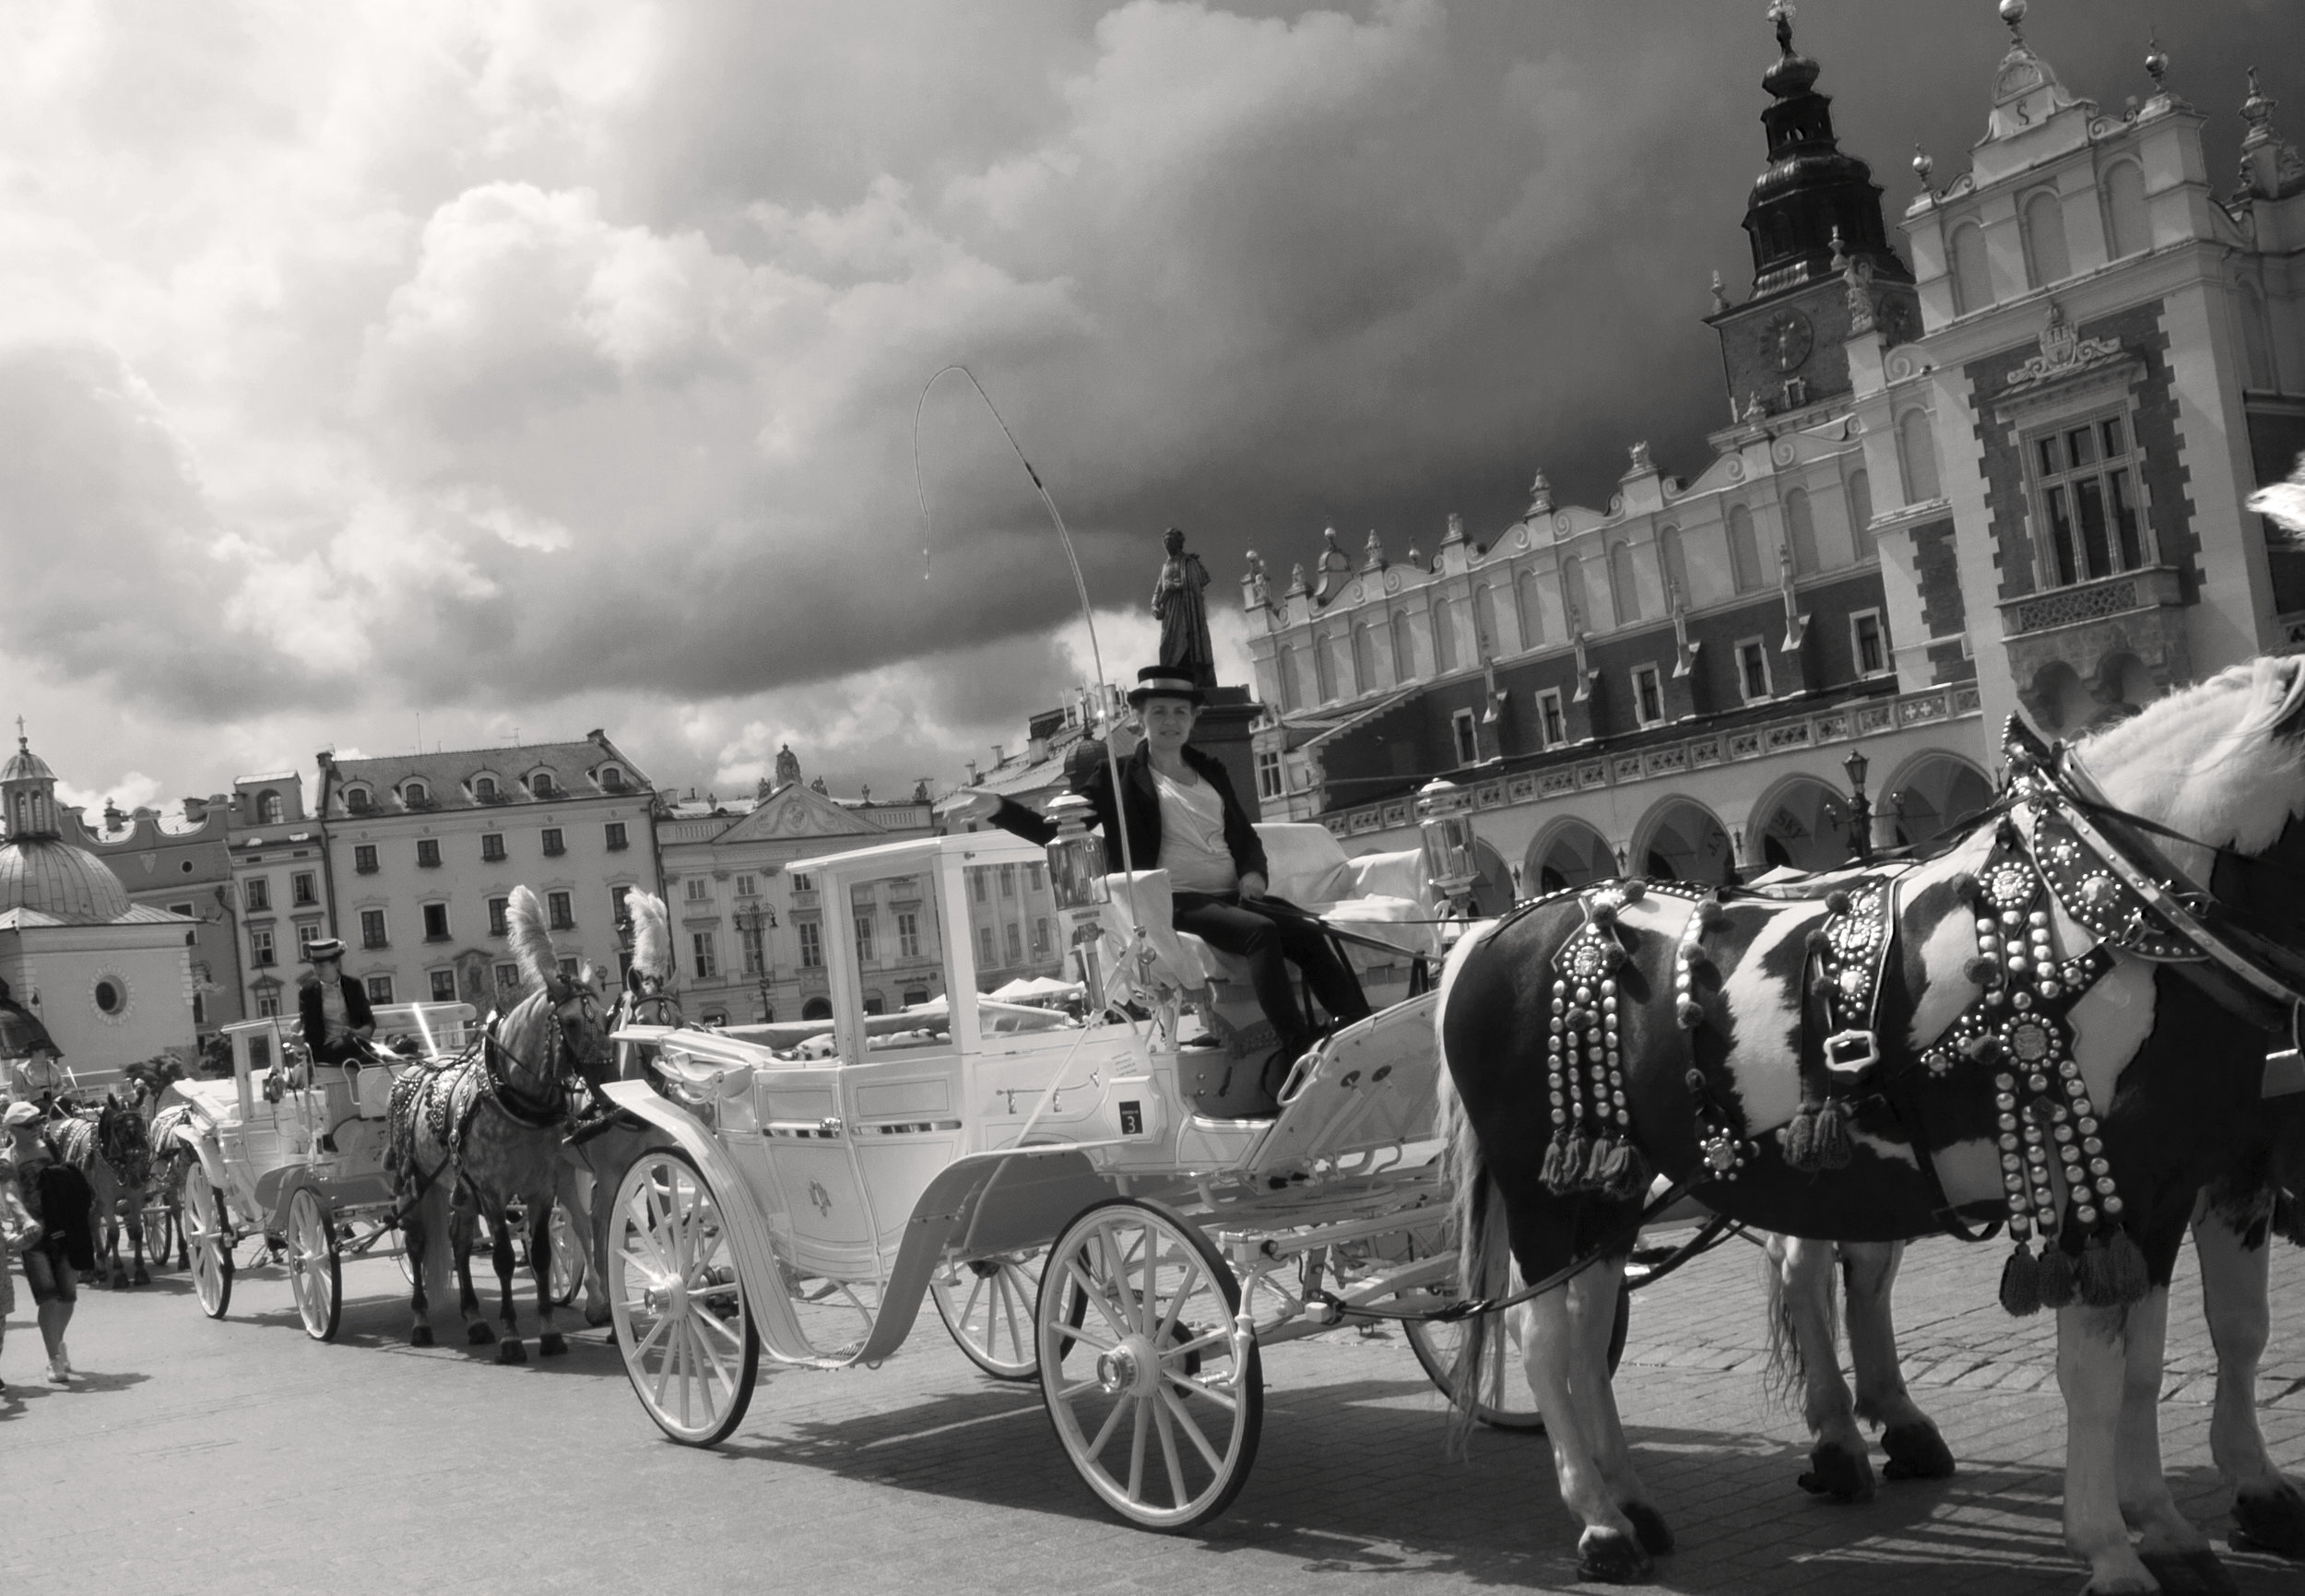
[{"x": 530, "y": 368}]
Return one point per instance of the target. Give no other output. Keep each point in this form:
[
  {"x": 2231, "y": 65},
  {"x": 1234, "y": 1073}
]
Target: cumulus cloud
[{"x": 545, "y": 367}]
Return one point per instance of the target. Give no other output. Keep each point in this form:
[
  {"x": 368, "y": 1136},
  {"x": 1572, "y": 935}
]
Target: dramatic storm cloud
[{"x": 527, "y": 367}]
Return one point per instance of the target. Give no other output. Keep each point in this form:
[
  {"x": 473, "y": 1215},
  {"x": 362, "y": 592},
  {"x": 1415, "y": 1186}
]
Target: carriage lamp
[
  {"x": 1076, "y": 868},
  {"x": 1448, "y": 834},
  {"x": 1860, "y": 808}
]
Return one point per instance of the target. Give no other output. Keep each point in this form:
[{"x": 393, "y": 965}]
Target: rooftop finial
[
  {"x": 19, "y": 719},
  {"x": 2013, "y": 12},
  {"x": 2257, "y": 109},
  {"x": 1922, "y": 165},
  {"x": 1781, "y": 13},
  {"x": 2156, "y": 61}
]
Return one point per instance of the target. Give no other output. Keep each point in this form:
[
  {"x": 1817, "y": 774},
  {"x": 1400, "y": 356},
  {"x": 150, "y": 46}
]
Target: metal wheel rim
[
  {"x": 682, "y": 1325},
  {"x": 203, "y": 1219},
  {"x": 314, "y": 1270},
  {"x": 1171, "y": 1447},
  {"x": 1505, "y": 1401},
  {"x": 987, "y": 1307},
  {"x": 565, "y": 1236}
]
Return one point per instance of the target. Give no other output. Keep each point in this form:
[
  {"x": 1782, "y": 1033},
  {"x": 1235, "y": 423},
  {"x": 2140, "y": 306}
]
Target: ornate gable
[{"x": 799, "y": 812}]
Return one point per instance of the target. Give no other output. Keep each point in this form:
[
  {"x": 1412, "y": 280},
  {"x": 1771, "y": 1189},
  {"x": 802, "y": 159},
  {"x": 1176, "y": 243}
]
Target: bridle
[{"x": 548, "y": 1107}]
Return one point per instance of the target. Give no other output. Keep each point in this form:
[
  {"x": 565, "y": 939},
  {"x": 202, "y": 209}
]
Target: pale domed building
[{"x": 109, "y": 979}]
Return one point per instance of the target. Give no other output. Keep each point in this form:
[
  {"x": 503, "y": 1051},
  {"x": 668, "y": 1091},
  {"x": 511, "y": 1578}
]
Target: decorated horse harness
[{"x": 2057, "y": 845}]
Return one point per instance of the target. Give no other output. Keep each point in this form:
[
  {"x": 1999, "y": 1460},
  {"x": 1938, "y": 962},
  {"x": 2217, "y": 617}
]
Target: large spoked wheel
[
  {"x": 566, "y": 1233},
  {"x": 690, "y": 1346},
  {"x": 1504, "y": 1402},
  {"x": 207, "y": 1239},
  {"x": 316, "y": 1271},
  {"x": 987, "y": 1304},
  {"x": 1133, "y": 1327}
]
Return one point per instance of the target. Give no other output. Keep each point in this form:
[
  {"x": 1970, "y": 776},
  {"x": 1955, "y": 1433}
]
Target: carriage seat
[{"x": 1384, "y": 896}]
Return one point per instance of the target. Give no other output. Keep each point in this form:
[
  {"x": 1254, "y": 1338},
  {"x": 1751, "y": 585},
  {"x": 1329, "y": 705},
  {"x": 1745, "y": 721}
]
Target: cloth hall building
[{"x": 2000, "y": 465}]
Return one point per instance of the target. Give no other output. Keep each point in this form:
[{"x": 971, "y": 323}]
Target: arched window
[
  {"x": 1324, "y": 670},
  {"x": 2128, "y": 231},
  {"x": 1744, "y": 554},
  {"x": 1861, "y": 517},
  {"x": 416, "y": 792},
  {"x": 484, "y": 788},
  {"x": 2042, "y": 221},
  {"x": 1573, "y": 594},
  {"x": 540, "y": 784},
  {"x": 1625, "y": 596},
  {"x": 356, "y": 799},
  {"x": 1917, "y": 454},
  {"x": 1443, "y": 637},
  {"x": 1291, "y": 695},
  {"x": 1972, "y": 277},
  {"x": 268, "y": 808},
  {"x": 1801, "y": 534},
  {"x": 1485, "y": 620},
  {"x": 611, "y": 778},
  {"x": 1403, "y": 647},
  {"x": 1365, "y": 668},
  {"x": 1673, "y": 563},
  {"x": 1528, "y": 602}
]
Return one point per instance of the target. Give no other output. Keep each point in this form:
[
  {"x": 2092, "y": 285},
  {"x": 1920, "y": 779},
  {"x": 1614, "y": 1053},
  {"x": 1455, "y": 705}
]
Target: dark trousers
[{"x": 1271, "y": 938}]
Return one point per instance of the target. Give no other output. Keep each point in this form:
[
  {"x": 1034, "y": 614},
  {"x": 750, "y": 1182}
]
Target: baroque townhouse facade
[
  {"x": 279, "y": 888},
  {"x": 748, "y": 919},
  {"x": 2011, "y": 475},
  {"x": 419, "y": 854}
]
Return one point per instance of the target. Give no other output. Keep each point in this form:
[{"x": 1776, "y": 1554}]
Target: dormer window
[
  {"x": 268, "y": 808},
  {"x": 611, "y": 778},
  {"x": 356, "y": 800},
  {"x": 416, "y": 792},
  {"x": 484, "y": 788},
  {"x": 540, "y": 784}
]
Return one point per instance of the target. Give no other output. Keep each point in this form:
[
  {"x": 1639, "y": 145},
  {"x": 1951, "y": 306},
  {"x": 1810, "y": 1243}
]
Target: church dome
[
  {"x": 56, "y": 878},
  {"x": 26, "y": 765}
]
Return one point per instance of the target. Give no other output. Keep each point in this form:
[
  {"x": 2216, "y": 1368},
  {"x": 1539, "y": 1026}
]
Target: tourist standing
[{"x": 59, "y": 1199}]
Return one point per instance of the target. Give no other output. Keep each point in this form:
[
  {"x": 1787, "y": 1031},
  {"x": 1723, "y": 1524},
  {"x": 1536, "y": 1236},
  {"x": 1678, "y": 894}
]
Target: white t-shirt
[{"x": 1192, "y": 837}]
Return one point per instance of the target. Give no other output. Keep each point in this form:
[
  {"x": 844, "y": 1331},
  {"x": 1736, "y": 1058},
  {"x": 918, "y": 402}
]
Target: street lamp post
[
  {"x": 758, "y": 921},
  {"x": 1860, "y": 808}
]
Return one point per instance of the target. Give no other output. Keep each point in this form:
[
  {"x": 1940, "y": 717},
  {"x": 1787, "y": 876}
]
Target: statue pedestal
[{"x": 1223, "y": 732}]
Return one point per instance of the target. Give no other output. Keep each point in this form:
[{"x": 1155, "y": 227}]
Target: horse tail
[
  {"x": 1785, "y": 1378},
  {"x": 1483, "y": 1251}
]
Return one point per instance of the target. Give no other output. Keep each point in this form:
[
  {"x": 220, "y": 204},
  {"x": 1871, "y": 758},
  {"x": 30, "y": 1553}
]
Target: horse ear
[{"x": 2289, "y": 681}]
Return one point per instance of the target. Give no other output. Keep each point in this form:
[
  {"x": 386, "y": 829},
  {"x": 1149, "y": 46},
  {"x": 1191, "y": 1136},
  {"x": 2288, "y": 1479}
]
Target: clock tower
[{"x": 1822, "y": 264}]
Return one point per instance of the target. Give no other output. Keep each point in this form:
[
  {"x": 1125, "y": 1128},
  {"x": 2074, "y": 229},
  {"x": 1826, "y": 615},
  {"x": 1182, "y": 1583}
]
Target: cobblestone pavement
[{"x": 240, "y": 1457}]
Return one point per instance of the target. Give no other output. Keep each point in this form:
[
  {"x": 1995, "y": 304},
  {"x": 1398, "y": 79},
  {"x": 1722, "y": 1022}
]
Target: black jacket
[
  {"x": 1140, "y": 802},
  {"x": 356, "y": 1013}
]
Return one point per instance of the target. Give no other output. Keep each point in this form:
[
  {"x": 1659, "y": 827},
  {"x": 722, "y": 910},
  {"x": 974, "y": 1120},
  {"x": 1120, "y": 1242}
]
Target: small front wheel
[
  {"x": 565, "y": 1233},
  {"x": 987, "y": 1304},
  {"x": 207, "y": 1240},
  {"x": 688, "y": 1340},
  {"x": 1157, "y": 1409},
  {"x": 316, "y": 1271}
]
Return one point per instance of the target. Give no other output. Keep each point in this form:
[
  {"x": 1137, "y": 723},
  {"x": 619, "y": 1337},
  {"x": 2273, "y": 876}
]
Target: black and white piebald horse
[{"x": 2045, "y": 1023}]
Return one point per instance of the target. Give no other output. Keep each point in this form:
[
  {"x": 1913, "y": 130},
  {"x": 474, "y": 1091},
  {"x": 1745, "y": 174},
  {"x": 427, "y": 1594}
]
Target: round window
[{"x": 112, "y": 994}]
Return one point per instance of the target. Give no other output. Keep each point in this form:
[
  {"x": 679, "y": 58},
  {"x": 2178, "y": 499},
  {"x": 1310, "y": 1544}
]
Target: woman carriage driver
[
  {"x": 1183, "y": 817},
  {"x": 337, "y": 1019}
]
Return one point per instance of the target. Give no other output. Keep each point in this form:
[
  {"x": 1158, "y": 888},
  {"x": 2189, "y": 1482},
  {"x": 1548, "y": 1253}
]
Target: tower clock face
[{"x": 1785, "y": 339}]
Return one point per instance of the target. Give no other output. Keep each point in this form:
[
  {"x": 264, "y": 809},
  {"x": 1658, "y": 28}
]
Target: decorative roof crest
[{"x": 2062, "y": 352}]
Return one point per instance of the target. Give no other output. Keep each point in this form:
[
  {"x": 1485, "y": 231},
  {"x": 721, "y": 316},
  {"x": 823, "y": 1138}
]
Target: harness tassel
[
  {"x": 1830, "y": 1142},
  {"x": 1801, "y": 1139},
  {"x": 1630, "y": 1176},
  {"x": 2057, "y": 1282},
  {"x": 1554, "y": 1156},
  {"x": 1605, "y": 1149},
  {"x": 2020, "y": 1284},
  {"x": 2132, "y": 1278}
]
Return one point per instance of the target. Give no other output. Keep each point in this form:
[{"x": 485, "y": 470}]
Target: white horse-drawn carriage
[
  {"x": 1057, "y": 1185},
  {"x": 291, "y": 1156}
]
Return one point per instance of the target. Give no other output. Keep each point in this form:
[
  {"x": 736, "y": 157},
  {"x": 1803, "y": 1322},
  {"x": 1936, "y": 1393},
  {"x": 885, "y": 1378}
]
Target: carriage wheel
[
  {"x": 206, "y": 1239},
  {"x": 1133, "y": 1329},
  {"x": 687, "y": 1336},
  {"x": 1506, "y": 1402},
  {"x": 987, "y": 1306},
  {"x": 567, "y": 1237},
  {"x": 159, "y": 1235},
  {"x": 315, "y": 1272}
]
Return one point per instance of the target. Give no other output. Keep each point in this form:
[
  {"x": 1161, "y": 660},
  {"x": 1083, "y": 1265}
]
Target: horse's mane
[
  {"x": 2212, "y": 759},
  {"x": 652, "y": 935}
]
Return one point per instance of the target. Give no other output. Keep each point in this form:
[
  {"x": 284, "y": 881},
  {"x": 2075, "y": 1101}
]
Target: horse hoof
[
  {"x": 422, "y": 1336},
  {"x": 1916, "y": 1452},
  {"x": 2271, "y": 1520},
  {"x": 551, "y": 1344},
  {"x": 597, "y": 1317},
  {"x": 478, "y": 1335},
  {"x": 140, "y": 1278},
  {"x": 1838, "y": 1472},
  {"x": 510, "y": 1351},
  {"x": 1610, "y": 1558},
  {"x": 1656, "y": 1535},
  {"x": 2196, "y": 1573}
]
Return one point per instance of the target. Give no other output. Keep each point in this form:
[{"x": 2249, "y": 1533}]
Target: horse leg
[
  {"x": 1868, "y": 1275},
  {"x": 2177, "y": 1554},
  {"x": 550, "y": 1343},
  {"x": 477, "y": 1332},
  {"x": 1609, "y": 1549},
  {"x": 1592, "y": 1299},
  {"x": 2092, "y": 1374},
  {"x": 1802, "y": 1347},
  {"x": 419, "y": 1227},
  {"x": 504, "y": 1255},
  {"x": 2269, "y": 1508},
  {"x": 140, "y": 1275}
]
